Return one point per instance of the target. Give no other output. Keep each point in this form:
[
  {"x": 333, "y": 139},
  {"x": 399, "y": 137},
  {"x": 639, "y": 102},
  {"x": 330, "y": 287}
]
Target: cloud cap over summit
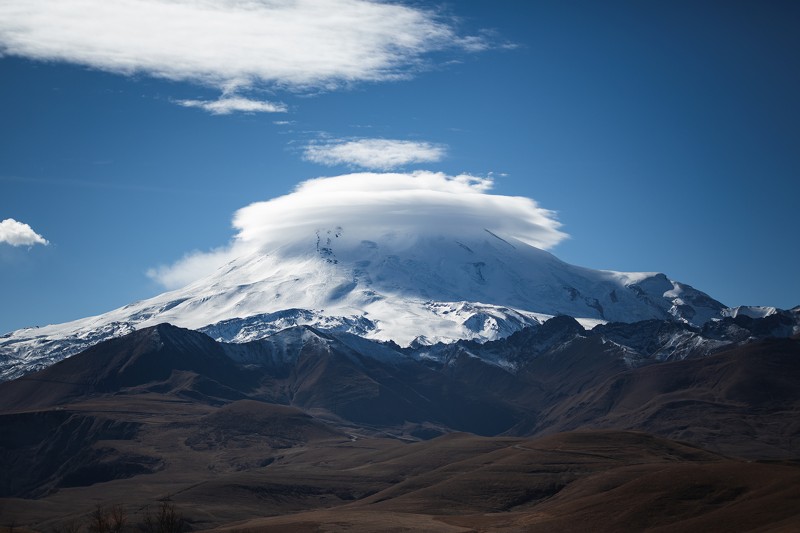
[{"x": 369, "y": 205}]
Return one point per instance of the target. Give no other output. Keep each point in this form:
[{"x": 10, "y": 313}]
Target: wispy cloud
[
  {"x": 374, "y": 154},
  {"x": 232, "y": 104},
  {"x": 19, "y": 234},
  {"x": 368, "y": 206},
  {"x": 233, "y": 44},
  {"x": 89, "y": 184},
  {"x": 194, "y": 265}
]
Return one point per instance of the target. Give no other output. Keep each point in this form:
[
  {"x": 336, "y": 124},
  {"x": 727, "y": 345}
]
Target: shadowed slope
[
  {"x": 147, "y": 356},
  {"x": 743, "y": 401}
]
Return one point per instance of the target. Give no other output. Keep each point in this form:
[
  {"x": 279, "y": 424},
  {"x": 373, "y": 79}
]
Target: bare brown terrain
[{"x": 163, "y": 415}]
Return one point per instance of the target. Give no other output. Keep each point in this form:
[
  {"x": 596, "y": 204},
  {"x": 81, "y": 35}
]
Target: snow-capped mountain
[{"x": 397, "y": 286}]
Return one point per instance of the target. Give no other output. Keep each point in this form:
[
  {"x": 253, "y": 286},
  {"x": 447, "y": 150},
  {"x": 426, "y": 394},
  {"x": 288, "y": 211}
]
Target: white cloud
[
  {"x": 232, "y": 44},
  {"x": 369, "y": 206},
  {"x": 376, "y": 154},
  {"x": 231, "y": 104},
  {"x": 19, "y": 234},
  {"x": 191, "y": 266}
]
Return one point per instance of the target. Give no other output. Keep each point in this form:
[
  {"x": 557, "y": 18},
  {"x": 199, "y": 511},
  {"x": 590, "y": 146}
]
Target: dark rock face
[{"x": 46, "y": 450}]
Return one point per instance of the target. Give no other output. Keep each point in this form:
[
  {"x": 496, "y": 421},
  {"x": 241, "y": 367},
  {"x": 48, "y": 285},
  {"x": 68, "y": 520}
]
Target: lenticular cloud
[
  {"x": 416, "y": 203},
  {"x": 370, "y": 206}
]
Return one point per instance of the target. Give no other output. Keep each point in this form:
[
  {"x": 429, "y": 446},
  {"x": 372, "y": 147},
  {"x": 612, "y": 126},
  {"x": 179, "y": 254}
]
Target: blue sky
[{"x": 666, "y": 136}]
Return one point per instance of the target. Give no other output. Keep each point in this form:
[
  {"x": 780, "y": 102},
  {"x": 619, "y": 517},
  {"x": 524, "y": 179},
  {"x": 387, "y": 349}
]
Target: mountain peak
[{"x": 438, "y": 285}]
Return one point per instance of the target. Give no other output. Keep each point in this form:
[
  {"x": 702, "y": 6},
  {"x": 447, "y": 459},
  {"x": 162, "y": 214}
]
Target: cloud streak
[
  {"x": 232, "y": 44},
  {"x": 233, "y": 104},
  {"x": 19, "y": 234},
  {"x": 372, "y": 207},
  {"x": 373, "y": 154},
  {"x": 192, "y": 266}
]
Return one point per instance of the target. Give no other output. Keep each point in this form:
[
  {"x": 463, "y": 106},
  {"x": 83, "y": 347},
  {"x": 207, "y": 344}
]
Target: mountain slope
[
  {"x": 308, "y": 429},
  {"x": 554, "y": 377},
  {"x": 152, "y": 355},
  {"x": 743, "y": 400}
]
